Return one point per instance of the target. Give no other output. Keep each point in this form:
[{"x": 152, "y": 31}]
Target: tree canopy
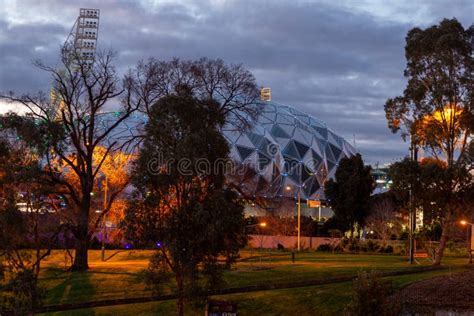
[
  {"x": 182, "y": 205},
  {"x": 437, "y": 105},
  {"x": 349, "y": 193},
  {"x": 66, "y": 130},
  {"x": 437, "y": 112}
]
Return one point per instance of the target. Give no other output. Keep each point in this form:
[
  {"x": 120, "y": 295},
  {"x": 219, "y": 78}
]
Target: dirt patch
[{"x": 451, "y": 292}]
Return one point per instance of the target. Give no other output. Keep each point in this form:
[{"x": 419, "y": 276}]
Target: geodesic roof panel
[{"x": 306, "y": 155}]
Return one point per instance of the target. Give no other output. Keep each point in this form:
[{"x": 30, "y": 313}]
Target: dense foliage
[
  {"x": 182, "y": 204},
  {"x": 437, "y": 112},
  {"x": 349, "y": 193}
]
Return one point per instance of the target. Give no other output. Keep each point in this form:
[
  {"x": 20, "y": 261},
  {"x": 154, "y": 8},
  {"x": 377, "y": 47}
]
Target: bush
[
  {"x": 21, "y": 294},
  {"x": 280, "y": 247},
  {"x": 399, "y": 250},
  {"x": 372, "y": 246},
  {"x": 324, "y": 247},
  {"x": 370, "y": 296},
  {"x": 350, "y": 245},
  {"x": 403, "y": 235},
  {"x": 387, "y": 249}
]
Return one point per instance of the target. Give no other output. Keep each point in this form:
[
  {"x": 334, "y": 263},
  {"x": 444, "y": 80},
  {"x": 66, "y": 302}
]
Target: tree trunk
[
  {"x": 81, "y": 256},
  {"x": 81, "y": 259},
  {"x": 180, "y": 300},
  {"x": 443, "y": 240}
]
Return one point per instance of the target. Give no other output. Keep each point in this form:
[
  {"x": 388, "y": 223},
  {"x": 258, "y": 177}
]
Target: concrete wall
[{"x": 268, "y": 241}]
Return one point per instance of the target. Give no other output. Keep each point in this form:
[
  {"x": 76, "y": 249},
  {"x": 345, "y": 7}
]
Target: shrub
[
  {"x": 350, "y": 245},
  {"x": 370, "y": 296},
  {"x": 386, "y": 249},
  {"x": 280, "y": 247},
  {"x": 399, "y": 250},
  {"x": 324, "y": 247},
  {"x": 21, "y": 294},
  {"x": 372, "y": 246},
  {"x": 403, "y": 235}
]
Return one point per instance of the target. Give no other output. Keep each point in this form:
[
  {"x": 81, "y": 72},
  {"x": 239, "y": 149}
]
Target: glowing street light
[
  {"x": 262, "y": 224},
  {"x": 470, "y": 242}
]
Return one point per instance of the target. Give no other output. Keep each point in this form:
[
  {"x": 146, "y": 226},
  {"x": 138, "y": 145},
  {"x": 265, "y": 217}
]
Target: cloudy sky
[{"x": 337, "y": 60}]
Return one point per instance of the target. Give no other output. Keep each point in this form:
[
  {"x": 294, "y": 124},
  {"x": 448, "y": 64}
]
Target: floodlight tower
[
  {"x": 82, "y": 39},
  {"x": 80, "y": 45}
]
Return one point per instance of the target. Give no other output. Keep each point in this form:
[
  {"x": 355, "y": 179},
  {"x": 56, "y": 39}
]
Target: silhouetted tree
[
  {"x": 231, "y": 86},
  {"x": 384, "y": 216},
  {"x": 67, "y": 129},
  {"x": 349, "y": 193},
  {"x": 437, "y": 106},
  {"x": 182, "y": 204}
]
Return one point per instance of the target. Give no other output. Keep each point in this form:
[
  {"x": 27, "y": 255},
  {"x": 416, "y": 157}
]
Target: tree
[
  {"x": 383, "y": 217},
  {"x": 182, "y": 204},
  {"x": 67, "y": 129},
  {"x": 437, "y": 106},
  {"x": 349, "y": 193},
  {"x": 232, "y": 86},
  {"x": 431, "y": 182},
  {"x": 25, "y": 229}
]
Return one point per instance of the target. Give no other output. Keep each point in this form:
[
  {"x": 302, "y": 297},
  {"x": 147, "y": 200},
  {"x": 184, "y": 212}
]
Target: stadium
[{"x": 286, "y": 153}]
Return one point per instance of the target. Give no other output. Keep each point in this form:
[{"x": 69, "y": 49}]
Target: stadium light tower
[
  {"x": 82, "y": 38},
  {"x": 80, "y": 46}
]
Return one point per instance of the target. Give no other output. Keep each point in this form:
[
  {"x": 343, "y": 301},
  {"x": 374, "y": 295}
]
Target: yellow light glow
[
  {"x": 463, "y": 222},
  {"x": 447, "y": 115},
  {"x": 263, "y": 224}
]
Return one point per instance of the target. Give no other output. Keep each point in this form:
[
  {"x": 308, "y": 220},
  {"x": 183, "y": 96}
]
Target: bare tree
[
  {"x": 70, "y": 130},
  {"x": 232, "y": 86},
  {"x": 383, "y": 219}
]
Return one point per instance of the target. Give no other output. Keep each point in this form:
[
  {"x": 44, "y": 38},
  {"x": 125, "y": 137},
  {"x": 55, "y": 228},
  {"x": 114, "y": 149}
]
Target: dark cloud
[{"x": 338, "y": 63}]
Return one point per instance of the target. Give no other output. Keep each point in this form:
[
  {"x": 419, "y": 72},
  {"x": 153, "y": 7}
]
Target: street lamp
[
  {"x": 262, "y": 224},
  {"x": 288, "y": 188},
  {"x": 469, "y": 241},
  {"x": 104, "y": 231}
]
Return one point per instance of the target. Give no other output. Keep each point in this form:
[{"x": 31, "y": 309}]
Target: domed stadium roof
[{"x": 285, "y": 152}]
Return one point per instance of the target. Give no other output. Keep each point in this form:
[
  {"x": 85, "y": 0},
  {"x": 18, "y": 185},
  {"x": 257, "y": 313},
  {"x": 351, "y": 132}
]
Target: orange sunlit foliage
[
  {"x": 433, "y": 161},
  {"x": 449, "y": 117},
  {"x": 114, "y": 170},
  {"x": 116, "y": 215},
  {"x": 442, "y": 129}
]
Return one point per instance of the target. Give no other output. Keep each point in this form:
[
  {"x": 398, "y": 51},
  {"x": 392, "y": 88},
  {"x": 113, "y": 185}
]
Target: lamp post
[
  {"x": 102, "y": 254},
  {"x": 412, "y": 212},
  {"x": 263, "y": 225},
  {"x": 288, "y": 188},
  {"x": 469, "y": 240}
]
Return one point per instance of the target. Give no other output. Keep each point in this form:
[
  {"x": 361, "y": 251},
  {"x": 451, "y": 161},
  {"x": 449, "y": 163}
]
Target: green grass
[
  {"x": 315, "y": 300},
  {"x": 120, "y": 277}
]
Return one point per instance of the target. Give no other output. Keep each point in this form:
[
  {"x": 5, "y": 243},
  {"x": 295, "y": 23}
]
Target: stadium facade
[{"x": 286, "y": 152}]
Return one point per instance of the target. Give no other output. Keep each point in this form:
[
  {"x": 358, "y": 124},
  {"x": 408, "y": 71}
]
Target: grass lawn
[
  {"x": 316, "y": 300},
  {"x": 120, "y": 277}
]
